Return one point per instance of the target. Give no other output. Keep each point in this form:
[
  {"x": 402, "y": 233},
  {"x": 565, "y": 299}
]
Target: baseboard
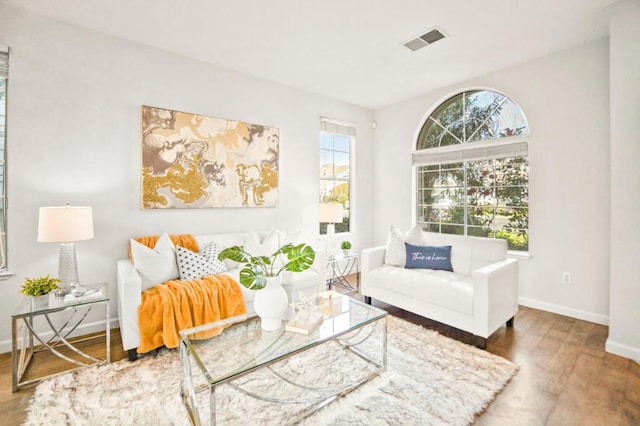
[
  {"x": 88, "y": 328},
  {"x": 623, "y": 350},
  {"x": 563, "y": 310}
]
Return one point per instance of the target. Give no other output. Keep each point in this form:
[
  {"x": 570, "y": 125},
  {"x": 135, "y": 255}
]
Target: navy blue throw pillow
[{"x": 428, "y": 257}]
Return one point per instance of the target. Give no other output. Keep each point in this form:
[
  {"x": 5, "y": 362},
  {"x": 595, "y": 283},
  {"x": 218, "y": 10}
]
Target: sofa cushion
[
  {"x": 486, "y": 251},
  {"x": 155, "y": 265},
  {"x": 192, "y": 265},
  {"x": 428, "y": 257},
  {"x": 395, "y": 254},
  {"x": 446, "y": 289},
  {"x": 223, "y": 241},
  {"x": 257, "y": 245}
]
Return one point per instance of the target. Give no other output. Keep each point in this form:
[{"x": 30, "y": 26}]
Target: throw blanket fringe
[{"x": 177, "y": 305}]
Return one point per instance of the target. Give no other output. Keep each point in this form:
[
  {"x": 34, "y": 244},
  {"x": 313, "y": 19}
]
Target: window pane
[
  {"x": 326, "y": 190},
  {"x": 449, "y": 115},
  {"x": 341, "y": 143},
  {"x": 341, "y": 164},
  {"x": 326, "y": 141},
  {"x": 511, "y": 121},
  {"x": 326, "y": 163},
  {"x": 475, "y": 231},
  {"x": 452, "y": 229},
  {"x": 430, "y": 135},
  {"x": 483, "y": 110}
]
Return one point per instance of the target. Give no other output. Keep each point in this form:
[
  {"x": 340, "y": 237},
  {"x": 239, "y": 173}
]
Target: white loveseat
[
  {"x": 479, "y": 296},
  {"x": 129, "y": 282}
]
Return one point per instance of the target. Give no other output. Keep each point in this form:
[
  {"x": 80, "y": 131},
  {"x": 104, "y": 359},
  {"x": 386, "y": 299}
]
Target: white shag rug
[{"x": 430, "y": 380}]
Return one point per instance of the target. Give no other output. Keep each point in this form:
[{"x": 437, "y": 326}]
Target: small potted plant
[
  {"x": 39, "y": 289},
  {"x": 345, "y": 246}
]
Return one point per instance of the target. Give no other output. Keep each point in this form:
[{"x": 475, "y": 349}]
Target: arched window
[{"x": 472, "y": 169}]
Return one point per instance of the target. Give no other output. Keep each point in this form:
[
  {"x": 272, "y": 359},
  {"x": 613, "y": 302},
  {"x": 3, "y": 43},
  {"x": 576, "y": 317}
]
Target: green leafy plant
[
  {"x": 256, "y": 268},
  {"x": 39, "y": 286},
  {"x": 345, "y": 245}
]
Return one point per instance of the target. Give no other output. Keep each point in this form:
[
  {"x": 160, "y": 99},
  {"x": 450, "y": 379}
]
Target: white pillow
[
  {"x": 156, "y": 265},
  {"x": 396, "y": 254},
  {"x": 257, "y": 246},
  {"x": 192, "y": 265}
]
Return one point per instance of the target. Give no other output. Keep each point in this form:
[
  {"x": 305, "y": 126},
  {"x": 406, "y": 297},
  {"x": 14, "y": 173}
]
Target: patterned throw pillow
[
  {"x": 194, "y": 265},
  {"x": 428, "y": 257}
]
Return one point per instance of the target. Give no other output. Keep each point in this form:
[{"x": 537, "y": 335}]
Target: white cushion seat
[{"x": 447, "y": 289}]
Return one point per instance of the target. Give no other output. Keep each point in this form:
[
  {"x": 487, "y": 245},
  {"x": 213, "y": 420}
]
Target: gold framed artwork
[{"x": 194, "y": 161}]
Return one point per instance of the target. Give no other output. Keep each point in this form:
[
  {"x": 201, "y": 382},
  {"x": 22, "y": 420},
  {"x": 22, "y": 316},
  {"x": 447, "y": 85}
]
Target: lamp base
[
  {"x": 67, "y": 268},
  {"x": 331, "y": 229}
]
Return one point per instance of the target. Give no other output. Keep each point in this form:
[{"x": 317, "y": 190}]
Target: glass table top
[
  {"x": 242, "y": 345},
  {"x": 88, "y": 293}
]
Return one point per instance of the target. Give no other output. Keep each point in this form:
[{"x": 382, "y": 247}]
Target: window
[
  {"x": 336, "y": 141},
  {"x": 4, "y": 74},
  {"x": 472, "y": 169}
]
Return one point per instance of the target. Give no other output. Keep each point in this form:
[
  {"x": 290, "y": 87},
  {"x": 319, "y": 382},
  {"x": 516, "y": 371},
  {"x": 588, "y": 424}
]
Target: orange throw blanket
[
  {"x": 187, "y": 241},
  {"x": 177, "y": 305}
]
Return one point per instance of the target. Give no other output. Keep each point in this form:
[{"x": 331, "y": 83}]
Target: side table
[
  {"x": 56, "y": 338},
  {"x": 340, "y": 267}
]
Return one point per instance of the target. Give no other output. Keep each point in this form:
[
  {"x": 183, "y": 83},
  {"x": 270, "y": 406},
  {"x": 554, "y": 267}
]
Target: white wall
[
  {"x": 624, "y": 330},
  {"x": 565, "y": 98},
  {"x": 74, "y": 136}
]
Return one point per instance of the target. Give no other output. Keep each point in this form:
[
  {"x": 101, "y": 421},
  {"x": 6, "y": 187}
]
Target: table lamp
[
  {"x": 65, "y": 225},
  {"x": 330, "y": 213}
]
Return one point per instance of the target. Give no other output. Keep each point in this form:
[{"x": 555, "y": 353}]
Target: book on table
[
  {"x": 83, "y": 293},
  {"x": 304, "y": 322}
]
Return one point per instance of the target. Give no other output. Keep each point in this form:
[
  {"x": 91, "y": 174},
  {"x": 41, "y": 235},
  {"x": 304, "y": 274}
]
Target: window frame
[
  {"x": 342, "y": 129},
  {"x": 467, "y": 151},
  {"x": 4, "y": 74}
]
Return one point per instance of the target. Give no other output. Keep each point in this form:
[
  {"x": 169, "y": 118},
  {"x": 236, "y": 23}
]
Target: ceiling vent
[{"x": 425, "y": 39}]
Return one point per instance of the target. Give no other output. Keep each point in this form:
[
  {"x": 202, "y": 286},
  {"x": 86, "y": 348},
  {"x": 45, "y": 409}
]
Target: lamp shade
[
  {"x": 330, "y": 213},
  {"x": 65, "y": 224}
]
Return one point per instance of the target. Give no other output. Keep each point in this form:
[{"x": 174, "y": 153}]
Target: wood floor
[{"x": 565, "y": 378}]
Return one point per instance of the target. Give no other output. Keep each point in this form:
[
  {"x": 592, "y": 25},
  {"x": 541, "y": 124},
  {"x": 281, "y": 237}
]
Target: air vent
[{"x": 425, "y": 39}]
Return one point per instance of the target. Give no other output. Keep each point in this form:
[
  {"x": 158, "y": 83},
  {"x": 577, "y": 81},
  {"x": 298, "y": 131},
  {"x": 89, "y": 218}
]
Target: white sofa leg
[
  {"x": 133, "y": 354},
  {"x": 367, "y": 300},
  {"x": 510, "y": 322}
]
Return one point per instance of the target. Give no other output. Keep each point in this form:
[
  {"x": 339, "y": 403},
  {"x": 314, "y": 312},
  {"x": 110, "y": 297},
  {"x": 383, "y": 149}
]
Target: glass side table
[
  {"x": 27, "y": 339},
  {"x": 340, "y": 267}
]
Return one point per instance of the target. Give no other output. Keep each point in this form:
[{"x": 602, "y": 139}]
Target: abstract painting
[{"x": 194, "y": 161}]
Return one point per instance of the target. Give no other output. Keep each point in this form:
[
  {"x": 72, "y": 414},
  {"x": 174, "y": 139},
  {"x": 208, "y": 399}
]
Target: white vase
[
  {"x": 271, "y": 304},
  {"x": 40, "y": 302}
]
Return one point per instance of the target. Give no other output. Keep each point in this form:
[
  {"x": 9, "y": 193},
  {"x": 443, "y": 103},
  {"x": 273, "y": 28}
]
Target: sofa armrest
[
  {"x": 129, "y": 288},
  {"x": 495, "y": 296},
  {"x": 371, "y": 258}
]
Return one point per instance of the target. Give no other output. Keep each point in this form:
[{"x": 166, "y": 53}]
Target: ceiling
[{"x": 350, "y": 50}]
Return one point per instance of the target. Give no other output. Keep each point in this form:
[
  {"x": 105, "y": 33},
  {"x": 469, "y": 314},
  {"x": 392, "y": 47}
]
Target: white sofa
[
  {"x": 479, "y": 296},
  {"x": 129, "y": 284}
]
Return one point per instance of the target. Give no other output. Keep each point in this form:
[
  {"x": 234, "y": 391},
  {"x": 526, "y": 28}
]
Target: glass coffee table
[{"x": 346, "y": 349}]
